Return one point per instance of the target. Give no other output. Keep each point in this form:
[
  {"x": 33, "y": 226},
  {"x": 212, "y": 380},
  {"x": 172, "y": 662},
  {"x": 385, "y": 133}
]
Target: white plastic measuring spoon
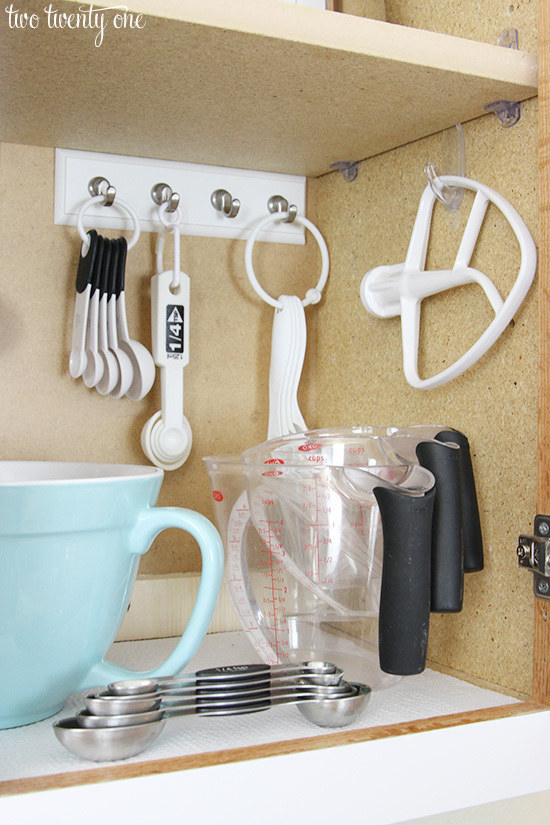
[
  {"x": 77, "y": 358},
  {"x": 288, "y": 348},
  {"x": 111, "y": 371},
  {"x": 166, "y": 438},
  {"x": 287, "y": 358},
  {"x": 143, "y": 365},
  {"x": 94, "y": 362},
  {"x": 125, "y": 369}
]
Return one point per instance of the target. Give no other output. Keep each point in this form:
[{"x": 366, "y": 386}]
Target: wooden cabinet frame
[{"x": 541, "y": 664}]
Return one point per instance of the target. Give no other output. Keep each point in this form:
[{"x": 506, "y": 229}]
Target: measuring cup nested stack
[
  {"x": 301, "y": 518},
  {"x": 339, "y": 545}
]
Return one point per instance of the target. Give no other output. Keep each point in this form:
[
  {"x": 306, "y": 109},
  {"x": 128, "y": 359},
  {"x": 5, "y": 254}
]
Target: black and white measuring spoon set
[{"x": 102, "y": 352}]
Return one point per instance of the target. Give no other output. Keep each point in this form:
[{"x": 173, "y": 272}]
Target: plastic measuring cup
[
  {"x": 303, "y": 560},
  {"x": 333, "y": 548}
]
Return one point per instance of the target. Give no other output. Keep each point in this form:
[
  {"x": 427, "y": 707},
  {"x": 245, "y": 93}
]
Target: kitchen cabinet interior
[{"x": 193, "y": 85}]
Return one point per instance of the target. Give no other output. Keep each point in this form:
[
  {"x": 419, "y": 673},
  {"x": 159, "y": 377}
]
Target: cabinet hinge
[{"x": 534, "y": 554}]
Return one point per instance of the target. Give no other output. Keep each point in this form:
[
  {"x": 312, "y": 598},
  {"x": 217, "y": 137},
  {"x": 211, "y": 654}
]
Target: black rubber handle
[
  {"x": 95, "y": 275},
  {"x": 121, "y": 274},
  {"x": 447, "y": 549},
  {"x": 405, "y": 590},
  {"x": 105, "y": 270},
  {"x": 86, "y": 263},
  {"x": 471, "y": 525},
  {"x": 230, "y": 673},
  {"x": 113, "y": 268}
]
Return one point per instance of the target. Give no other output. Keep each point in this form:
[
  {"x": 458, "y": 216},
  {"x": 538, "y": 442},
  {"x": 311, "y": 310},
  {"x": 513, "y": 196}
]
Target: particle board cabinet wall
[
  {"x": 353, "y": 372},
  {"x": 368, "y": 223}
]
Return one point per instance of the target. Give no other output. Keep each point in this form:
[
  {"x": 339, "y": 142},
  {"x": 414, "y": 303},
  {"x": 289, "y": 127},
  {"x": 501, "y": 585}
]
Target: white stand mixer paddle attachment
[
  {"x": 166, "y": 438},
  {"x": 398, "y": 289}
]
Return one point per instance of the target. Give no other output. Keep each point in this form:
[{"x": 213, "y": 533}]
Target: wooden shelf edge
[
  {"x": 200, "y": 760},
  {"x": 226, "y": 63},
  {"x": 349, "y": 33}
]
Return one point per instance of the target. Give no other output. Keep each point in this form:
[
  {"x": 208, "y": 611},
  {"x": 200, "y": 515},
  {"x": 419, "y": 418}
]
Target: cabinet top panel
[{"x": 251, "y": 83}]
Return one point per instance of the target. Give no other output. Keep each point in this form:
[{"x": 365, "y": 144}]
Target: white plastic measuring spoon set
[
  {"x": 102, "y": 351},
  {"x": 288, "y": 341},
  {"x": 288, "y": 346}
]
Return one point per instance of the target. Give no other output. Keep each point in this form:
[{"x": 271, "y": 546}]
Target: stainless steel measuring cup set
[{"x": 122, "y": 720}]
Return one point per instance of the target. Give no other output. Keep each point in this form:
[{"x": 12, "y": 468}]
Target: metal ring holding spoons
[
  {"x": 313, "y": 296},
  {"x": 100, "y": 199}
]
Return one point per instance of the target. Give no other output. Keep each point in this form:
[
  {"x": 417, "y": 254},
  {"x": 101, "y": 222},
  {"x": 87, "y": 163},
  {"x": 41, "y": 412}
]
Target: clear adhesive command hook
[
  {"x": 166, "y": 438},
  {"x": 388, "y": 291}
]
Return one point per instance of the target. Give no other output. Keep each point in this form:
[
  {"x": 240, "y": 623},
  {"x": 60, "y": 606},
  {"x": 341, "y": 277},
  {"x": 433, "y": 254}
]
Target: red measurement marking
[
  {"x": 273, "y": 473},
  {"x": 362, "y": 523},
  {"x": 274, "y": 461},
  {"x": 307, "y": 448},
  {"x": 217, "y": 496},
  {"x": 317, "y": 549}
]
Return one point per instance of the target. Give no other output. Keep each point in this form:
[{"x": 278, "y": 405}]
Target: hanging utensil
[
  {"x": 111, "y": 371},
  {"x": 94, "y": 369},
  {"x": 125, "y": 369},
  {"x": 166, "y": 438},
  {"x": 143, "y": 365},
  {"x": 77, "y": 358}
]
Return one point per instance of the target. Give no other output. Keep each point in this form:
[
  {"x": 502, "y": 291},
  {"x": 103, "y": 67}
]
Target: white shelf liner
[{"x": 33, "y": 750}]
